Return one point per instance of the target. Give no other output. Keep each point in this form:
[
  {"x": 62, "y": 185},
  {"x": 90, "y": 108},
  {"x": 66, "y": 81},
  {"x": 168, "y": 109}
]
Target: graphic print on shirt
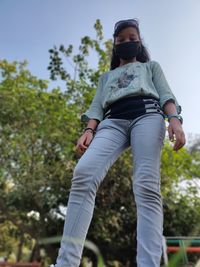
[
  {"x": 125, "y": 79},
  {"x": 118, "y": 89}
]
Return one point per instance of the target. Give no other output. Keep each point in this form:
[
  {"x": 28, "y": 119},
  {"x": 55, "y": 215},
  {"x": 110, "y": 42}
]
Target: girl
[{"x": 128, "y": 109}]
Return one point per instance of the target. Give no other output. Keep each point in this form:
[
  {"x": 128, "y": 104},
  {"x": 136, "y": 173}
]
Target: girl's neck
[{"x": 124, "y": 62}]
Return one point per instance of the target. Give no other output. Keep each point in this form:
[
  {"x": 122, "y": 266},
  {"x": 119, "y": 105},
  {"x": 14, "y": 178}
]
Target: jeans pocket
[{"x": 101, "y": 124}]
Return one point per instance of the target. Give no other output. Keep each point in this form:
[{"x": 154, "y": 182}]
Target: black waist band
[{"x": 132, "y": 107}]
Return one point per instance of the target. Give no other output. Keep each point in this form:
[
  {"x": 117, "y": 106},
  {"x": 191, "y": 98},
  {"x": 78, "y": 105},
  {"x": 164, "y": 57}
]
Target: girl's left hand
[{"x": 176, "y": 133}]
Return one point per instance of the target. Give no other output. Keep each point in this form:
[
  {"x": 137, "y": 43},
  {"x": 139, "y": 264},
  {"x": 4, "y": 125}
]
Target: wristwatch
[{"x": 179, "y": 117}]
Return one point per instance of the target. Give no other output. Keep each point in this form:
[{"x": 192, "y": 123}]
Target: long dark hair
[{"x": 143, "y": 55}]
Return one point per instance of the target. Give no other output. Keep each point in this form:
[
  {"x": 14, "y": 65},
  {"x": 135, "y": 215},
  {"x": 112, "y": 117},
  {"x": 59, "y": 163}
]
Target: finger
[
  {"x": 80, "y": 150},
  {"x": 180, "y": 141},
  {"x": 88, "y": 139},
  {"x": 183, "y": 138},
  {"x": 177, "y": 145},
  {"x": 170, "y": 132},
  {"x": 81, "y": 144}
]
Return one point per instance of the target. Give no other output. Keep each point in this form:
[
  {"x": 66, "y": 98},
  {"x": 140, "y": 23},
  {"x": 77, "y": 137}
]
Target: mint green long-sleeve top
[{"x": 132, "y": 79}]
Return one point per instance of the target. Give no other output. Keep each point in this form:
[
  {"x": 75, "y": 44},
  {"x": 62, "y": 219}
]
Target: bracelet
[{"x": 90, "y": 129}]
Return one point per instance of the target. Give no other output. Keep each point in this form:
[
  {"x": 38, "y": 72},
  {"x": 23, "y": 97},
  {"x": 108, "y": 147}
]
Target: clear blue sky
[{"x": 170, "y": 29}]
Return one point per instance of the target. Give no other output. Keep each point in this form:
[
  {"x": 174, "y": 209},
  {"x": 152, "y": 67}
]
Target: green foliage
[
  {"x": 37, "y": 135},
  {"x": 81, "y": 82}
]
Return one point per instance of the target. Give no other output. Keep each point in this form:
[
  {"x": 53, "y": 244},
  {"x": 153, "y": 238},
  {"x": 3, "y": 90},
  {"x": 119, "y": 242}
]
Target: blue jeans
[{"x": 145, "y": 135}]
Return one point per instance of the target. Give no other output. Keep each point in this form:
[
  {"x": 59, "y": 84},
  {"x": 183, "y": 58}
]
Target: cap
[{"x": 120, "y": 25}]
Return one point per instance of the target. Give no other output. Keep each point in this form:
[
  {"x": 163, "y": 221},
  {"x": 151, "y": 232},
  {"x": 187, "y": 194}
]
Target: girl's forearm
[
  {"x": 170, "y": 108},
  {"x": 92, "y": 123}
]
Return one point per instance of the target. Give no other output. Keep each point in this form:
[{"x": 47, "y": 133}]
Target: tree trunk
[{"x": 19, "y": 254}]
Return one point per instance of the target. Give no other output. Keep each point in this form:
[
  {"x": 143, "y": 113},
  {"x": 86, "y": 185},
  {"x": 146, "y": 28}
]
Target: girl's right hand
[{"x": 84, "y": 142}]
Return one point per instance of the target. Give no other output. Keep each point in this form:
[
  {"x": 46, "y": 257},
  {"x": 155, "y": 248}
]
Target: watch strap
[{"x": 179, "y": 117}]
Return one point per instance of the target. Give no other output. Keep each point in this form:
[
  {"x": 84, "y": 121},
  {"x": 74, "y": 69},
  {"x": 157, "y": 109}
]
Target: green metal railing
[{"x": 182, "y": 245}]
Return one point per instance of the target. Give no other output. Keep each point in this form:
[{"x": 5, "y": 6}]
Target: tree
[{"x": 37, "y": 131}]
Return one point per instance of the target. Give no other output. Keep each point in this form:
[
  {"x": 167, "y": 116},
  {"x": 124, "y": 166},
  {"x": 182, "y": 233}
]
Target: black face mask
[{"x": 127, "y": 50}]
